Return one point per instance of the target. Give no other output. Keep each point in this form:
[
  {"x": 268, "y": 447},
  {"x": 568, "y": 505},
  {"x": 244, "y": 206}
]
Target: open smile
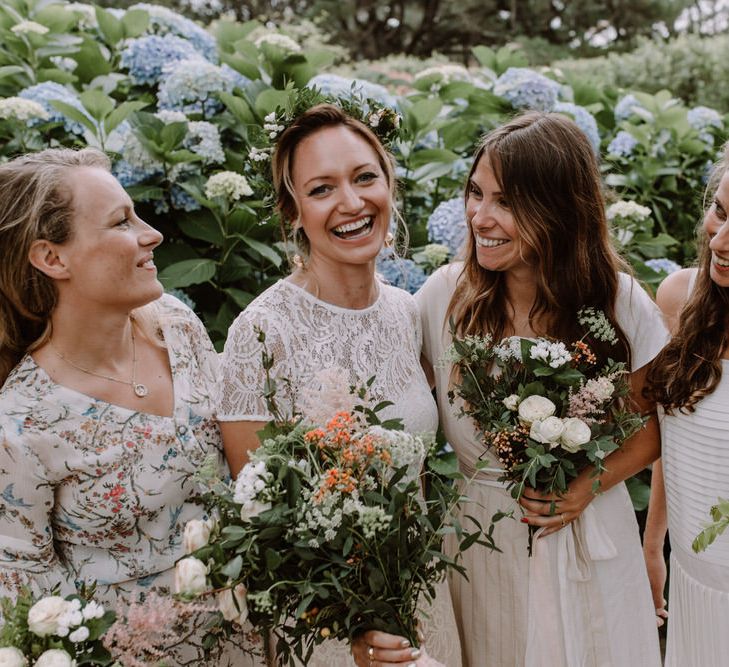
[
  {"x": 490, "y": 243},
  {"x": 354, "y": 230}
]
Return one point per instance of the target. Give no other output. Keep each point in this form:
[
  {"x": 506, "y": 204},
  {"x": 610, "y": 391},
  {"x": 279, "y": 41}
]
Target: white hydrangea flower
[
  {"x": 19, "y": 108},
  {"x": 627, "y": 209},
  {"x": 446, "y": 72},
  {"x": 277, "y": 39},
  {"x": 229, "y": 185},
  {"x": 29, "y": 27},
  {"x": 80, "y": 634}
]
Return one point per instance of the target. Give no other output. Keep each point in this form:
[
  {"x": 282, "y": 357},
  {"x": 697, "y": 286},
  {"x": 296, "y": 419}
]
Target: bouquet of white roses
[
  {"x": 54, "y": 631},
  {"x": 547, "y": 410},
  {"x": 326, "y": 532}
]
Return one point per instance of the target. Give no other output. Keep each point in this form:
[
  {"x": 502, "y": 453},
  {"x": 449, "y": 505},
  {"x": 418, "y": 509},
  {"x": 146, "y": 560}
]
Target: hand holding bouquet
[{"x": 546, "y": 410}]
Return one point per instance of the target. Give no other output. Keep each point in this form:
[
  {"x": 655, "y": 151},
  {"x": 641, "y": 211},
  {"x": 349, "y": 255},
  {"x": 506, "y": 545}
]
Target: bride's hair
[
  {"x": 548, "y": 173},
  {"x": 689, "y": 367}
]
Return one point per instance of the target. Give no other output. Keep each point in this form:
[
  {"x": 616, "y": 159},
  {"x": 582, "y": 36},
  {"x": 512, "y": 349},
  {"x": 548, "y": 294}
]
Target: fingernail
[
  {"x": 524, "y": 520},
  {"x": 415, "y": 653},
  {"x": 404, "y": 643}
]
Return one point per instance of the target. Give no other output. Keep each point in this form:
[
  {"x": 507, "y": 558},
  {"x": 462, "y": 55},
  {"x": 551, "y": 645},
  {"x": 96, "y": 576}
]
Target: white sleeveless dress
[
  {"x": 308, "y": 338},
  {"x": 696, "y": 471}
]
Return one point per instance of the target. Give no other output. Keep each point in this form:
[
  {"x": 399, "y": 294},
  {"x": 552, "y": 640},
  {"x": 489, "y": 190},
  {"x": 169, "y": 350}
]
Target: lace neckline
[{"x": 330, "y": 306}]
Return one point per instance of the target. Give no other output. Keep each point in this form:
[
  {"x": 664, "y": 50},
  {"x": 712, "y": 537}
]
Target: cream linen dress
[
  {"x": 696, "y": 472},
  {"x": 91, "y": 491},
  {"x": 590, "y": 607},
  {"x": 309, "y": 338}
]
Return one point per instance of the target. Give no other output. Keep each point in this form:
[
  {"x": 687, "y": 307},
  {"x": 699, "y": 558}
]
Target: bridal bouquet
[
  {"x": 54, "y": 631},
  {"x": 546, "y": 410},
  {"x": 326, "y": 532}
]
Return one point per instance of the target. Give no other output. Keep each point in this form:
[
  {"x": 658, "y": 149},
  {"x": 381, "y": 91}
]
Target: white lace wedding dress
[{"x": 307, "y": 337}]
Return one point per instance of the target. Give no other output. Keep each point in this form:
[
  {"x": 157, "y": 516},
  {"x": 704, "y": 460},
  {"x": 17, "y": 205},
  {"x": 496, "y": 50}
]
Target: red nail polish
[{"x": 524, "y": 520}]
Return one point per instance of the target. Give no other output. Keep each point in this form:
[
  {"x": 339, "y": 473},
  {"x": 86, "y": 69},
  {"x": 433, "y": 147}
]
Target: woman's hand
[
  {"x": 656, "y": 565},
  {"x": 380, "y": 649},
  {"x": 554, "y": 512}
]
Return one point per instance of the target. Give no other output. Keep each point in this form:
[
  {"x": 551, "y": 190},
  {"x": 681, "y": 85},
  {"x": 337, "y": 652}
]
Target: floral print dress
[{"x": 91, "y": 491}]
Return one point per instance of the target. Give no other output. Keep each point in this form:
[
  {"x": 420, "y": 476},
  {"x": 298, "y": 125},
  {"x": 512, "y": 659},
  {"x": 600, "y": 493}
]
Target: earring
[
  {"x": 389, "y": 240},
  {"x": 298, "y": 261}
]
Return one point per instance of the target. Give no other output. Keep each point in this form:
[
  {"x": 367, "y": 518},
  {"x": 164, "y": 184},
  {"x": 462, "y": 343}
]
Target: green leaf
[
  {"x": 232, "y": 569},
  {"x": 241, "y": 298},
  {"x": 238, "y": 107},
  {"x": 202, "y": 226},
  {"x": 97, "y": 103},
  {"x": 121, "y": 113},
  {"x": 424, "y": 111},
  {"x": 110, "y": 26},
  {"x": 187, "y": 272},
  {"x": 9, "y": 70},
  {"x": 262, "y": 249},
  {"x": 135, "y": 22},
  {"x": 74, "y": 114}
]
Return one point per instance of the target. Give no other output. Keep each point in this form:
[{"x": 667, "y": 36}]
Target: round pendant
[{"x": 140, "y": 389}]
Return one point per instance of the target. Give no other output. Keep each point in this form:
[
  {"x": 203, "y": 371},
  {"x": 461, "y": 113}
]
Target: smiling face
[
  {"x": 717, "y": 227},
  {"x": 342, "y": 195},
  {"x": 496, "y": 238},
  {"x": 108, "y": 260}
]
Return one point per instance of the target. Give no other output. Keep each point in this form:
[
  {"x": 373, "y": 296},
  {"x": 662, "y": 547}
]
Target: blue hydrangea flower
[
  {"x": 189, "y": 85},
  {"x": 145, "y": 57},
  {"x": 701, "y": 118},
  {"x": 339, "y": 86},
  {"x": 182, "y": 296},
  {"x": 584, "y": 120},
  {"x": 447, "y": 224},
  {"x": 626, "y": 108},
  {"x": 44, "y": 92},
  {"x": 135, "y": 165},
  {"x": 663, "y": 265},
  {"x": 403, "y": 273},
  {"x": 622, "y": 145},
  {"x": 524, "y": 88},
  {"x": 182, "y": 200},
  {"x": 163, "y": 21}
]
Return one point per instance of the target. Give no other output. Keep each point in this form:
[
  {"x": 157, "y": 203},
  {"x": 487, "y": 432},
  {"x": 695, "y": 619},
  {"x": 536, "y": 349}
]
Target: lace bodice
[{"x": 307, "y": 336}]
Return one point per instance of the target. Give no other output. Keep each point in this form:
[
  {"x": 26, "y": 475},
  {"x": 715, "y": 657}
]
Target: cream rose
[
  {"x": 12, "y": 657},
  {"x": 535, "y": 407},
  {"x": 190, "y": 576},
  {"x": 576, "y": 433},
  {"x": 546, "y": 430},
  {"x": 226, "y": 604},
  {"x": 511, "y": 402},
  {"x": 55, "y": 657},
  {"x": 196, "y": 535},
  {"x": 45, "y": 615}
]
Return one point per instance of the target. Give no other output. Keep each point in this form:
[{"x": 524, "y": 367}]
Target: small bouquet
[
  {"x": 54, "y": 631},
  {"x": 326, "y": 532},
  {"x": 547, "y": 411}
]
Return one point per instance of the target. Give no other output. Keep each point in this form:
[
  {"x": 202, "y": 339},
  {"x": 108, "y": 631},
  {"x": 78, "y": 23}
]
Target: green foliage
[{"x": 719, "y": 521}]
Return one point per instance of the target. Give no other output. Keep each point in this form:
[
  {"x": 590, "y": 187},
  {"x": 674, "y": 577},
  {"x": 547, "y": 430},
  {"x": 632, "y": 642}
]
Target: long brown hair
[
  {"x": 311, "y": 121},
  {"x": 690, "y": 367},
  {"x": 548, "y": 172}
]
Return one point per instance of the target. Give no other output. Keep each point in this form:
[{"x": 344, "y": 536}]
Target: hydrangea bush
[{"x": 181, "y": 107}]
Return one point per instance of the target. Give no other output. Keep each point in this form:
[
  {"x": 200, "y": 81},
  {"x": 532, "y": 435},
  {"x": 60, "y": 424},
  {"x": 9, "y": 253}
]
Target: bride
[{"x": 335, "y": 185}]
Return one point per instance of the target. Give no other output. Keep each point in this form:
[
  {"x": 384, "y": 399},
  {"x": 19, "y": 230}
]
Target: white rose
[
  {"x": 196, "y": 535},
  {"x": 80, "y": 634},
  {"x": 546, "y": 430},
  {"x": 576, "y": 433},
  {"x": 227, "y": 607},
  {"x": 253, "y": 508},
  {"x": 44, "y": 615},
  {"x": 190, "y": 576},
  {"x": 12, "y": 657},
  {"x": 55, "y": 657},
  {"x": 511, "y": 402},
  {"x": 535, "y": 407}
]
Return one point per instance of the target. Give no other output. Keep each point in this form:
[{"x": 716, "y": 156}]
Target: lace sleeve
[
  {"x": 27, "y": 554},
  {"x": 242, "y": 375}
]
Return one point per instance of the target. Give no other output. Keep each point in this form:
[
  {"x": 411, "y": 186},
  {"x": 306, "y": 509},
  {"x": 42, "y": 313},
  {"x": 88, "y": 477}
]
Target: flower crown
[{"x": 384, "y": 122}]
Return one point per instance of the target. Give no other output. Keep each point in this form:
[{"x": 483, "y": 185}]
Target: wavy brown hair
[
  {"x": 690, "y": 367},
  {"x": 547, "y": 171},
  {"x": 313, "y": 120}
]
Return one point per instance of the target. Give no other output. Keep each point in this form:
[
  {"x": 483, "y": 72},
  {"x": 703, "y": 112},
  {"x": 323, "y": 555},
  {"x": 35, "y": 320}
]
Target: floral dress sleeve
[{"x": 27, "y": 556}]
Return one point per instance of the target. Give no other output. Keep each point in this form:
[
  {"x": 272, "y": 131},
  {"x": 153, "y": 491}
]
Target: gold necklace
[{"x": 138, "y": 388}]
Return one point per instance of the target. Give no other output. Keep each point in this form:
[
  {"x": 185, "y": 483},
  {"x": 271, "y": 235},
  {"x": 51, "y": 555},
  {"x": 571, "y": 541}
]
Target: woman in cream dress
[
  {"x": 689, "y": 379},
  {"x": 537, "y": 252},
  {"x": 335, "y": 185}
]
